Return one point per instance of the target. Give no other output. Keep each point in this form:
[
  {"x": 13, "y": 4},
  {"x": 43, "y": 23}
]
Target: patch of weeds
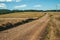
[
  {"x": 57, "y": 33},
  {"x": 48, "y": 34},
  {"x": 58, "y": 18},
  {"x": 45, "y": 33}
]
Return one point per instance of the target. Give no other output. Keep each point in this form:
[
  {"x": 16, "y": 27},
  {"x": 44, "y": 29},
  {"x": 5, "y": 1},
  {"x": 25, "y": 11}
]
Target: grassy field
[
  {"x": 25, "y": 15},
  {"x": 22, "y": 15},
  {"x": 28, "y": 14},
  {"x": 53, "y": 27},
  {"x": 11, "y": 18}
]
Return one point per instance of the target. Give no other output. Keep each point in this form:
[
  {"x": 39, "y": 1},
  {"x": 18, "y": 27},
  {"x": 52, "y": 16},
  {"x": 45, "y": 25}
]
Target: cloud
[
  {"x": 2, "y": 0},
  {"x": 38, "y": 6},
  {"x": 18, "y": 0},
  {"x": 2, "y": 5},
  {"x": 10, "y": 0},
  {"x": 58, "y": 5},
  {"x": 6, "y": 0},
  {"x": 21, "y": 6}
]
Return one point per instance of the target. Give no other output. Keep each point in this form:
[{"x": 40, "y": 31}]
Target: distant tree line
[
  {"x": 6, "y": 11},
  {"x": 52, "y": 11}
]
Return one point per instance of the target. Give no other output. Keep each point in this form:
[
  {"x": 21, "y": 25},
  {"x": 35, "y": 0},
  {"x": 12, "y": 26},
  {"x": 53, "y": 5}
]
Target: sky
[{"x": 30, "y": 4}]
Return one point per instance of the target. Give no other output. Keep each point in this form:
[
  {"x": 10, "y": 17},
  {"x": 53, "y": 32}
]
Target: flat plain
[{"x": 45, "y": 27}]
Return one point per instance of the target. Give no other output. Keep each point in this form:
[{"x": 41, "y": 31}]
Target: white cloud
[
  {"x": 2, "y": 5},
  {"x": 6, "y": 0},
  {"x": 2, "y": 0},
  {"x": 58, "y": 4},
  {"x": 21, "y": 6},
  {"x": 18, "y": 0},
  {"x": 10, "y": 0},
  {"x": 38, "y": 6}
]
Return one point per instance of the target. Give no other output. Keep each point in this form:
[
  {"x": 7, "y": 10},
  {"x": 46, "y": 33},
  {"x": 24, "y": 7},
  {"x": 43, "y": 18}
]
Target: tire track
[{"x": 28, "y": 31}]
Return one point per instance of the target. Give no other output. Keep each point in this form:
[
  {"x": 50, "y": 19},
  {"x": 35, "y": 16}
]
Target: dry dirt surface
[{"x": 35, "y": 30}]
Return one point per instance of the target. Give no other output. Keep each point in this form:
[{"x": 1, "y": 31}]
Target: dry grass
[
  {"x": 22, "y": 15},
  {"x": 53, "y": 26},
  {"x": 10, "y": 20},
  {"x": 54, "y": 29},
  {"x": 17, "y": 17},
  {"x": 28, "y": 14}
]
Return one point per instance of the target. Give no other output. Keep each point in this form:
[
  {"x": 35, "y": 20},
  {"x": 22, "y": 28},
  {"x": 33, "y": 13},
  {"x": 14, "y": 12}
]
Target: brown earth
[{"x": 42, "y": 29}]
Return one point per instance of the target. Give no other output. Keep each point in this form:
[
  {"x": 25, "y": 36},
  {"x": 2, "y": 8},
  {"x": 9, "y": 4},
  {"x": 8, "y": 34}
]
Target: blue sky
[{"x": 30, "y": 4}]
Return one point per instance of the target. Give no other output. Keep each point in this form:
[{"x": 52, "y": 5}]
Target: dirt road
[{"x": 29, "y": 31}]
